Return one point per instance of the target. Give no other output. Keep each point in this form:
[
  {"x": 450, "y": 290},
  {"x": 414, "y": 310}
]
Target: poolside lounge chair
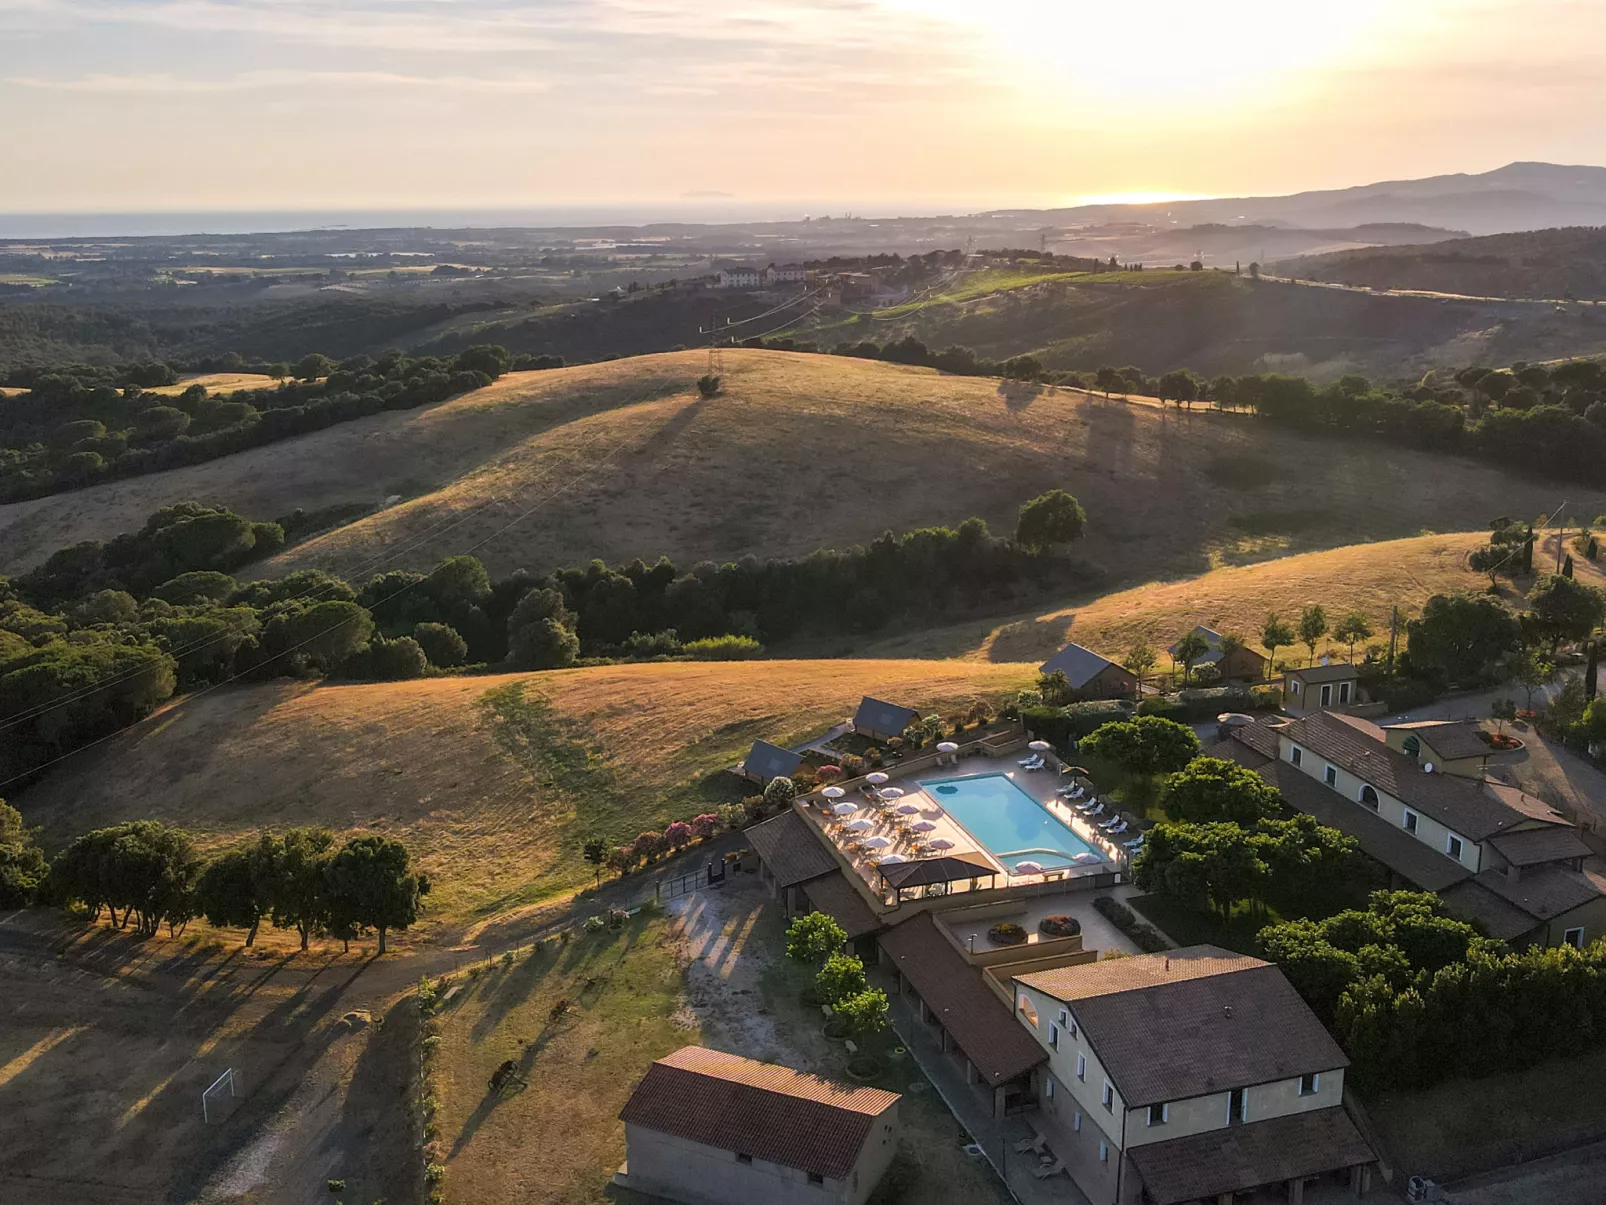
[
  {"x": 1036, "y": 1144},
  {"x": 1118, "y": 829},
  {"x": 1111, "y": 822},
  {"x": 1134, "y": 844},
  {"x": 1052, "y": 1169},
  {"x": 1036, "y": 759},
  {"x": 1094, "y": 811}
]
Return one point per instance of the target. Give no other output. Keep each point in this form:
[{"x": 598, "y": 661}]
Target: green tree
[
  {"x": 1312, "y": 627},
  {"x": 541, "y": 632},
  {"x": 596, "y": 851},
  {"x": 779, "y": 792},
  {"x": 1503, "y": 711},
  {"x": 1210, "y": 788},
  {"x": 232, "y": 892},
  {"x": 1532, "y": 670},
  {"x": 441, "y": 644},
  {"x": 22, "y": 862},
  {"x": 864, "y": 1013},
  {"x": 814, "y": 937},
  {"x": 1140, "y": 659},
  {"x": 370, "y": 881},
  {"x": 297, "y": 892},
  {"x": 1491, "y": 559},
  {"x": 1188, "y": 650},
  {"x": 1053, "y": 688},
  {"x": 143, "y": 867},
  {"x": 1275, "y": 634},
  {"x": 313, "y": 366},
  {"x": 1459, "y": 637},
  {"x": 842, "y": 975},
  {"x": 1109, "y": 380},
  {"x": 1565, "y": 609},
  {"x": 1147, "y": 744},
  {"x": 1351, "y": 630},
  {"x": 1050, "y": 519},
  {"x": 323, "y": 634}
]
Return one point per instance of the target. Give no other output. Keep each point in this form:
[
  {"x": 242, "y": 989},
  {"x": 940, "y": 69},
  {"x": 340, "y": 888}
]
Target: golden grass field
[
  {"x": 495, "y": 797},
  {"x": 216, "y": 382},
  {"x": 622, "y": 459}
]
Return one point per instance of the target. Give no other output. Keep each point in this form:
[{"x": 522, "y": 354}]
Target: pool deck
[{"x": 898, "y": 831}]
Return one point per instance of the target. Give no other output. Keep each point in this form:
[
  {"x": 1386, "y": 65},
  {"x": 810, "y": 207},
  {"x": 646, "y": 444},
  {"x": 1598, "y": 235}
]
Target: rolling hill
[
  {"x": 622, "y": 459},
  {"x": 495, "y": 781}
]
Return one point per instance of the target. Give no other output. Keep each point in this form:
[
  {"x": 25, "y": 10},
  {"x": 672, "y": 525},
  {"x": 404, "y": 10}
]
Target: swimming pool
[{"x": 1008, "y": 822}]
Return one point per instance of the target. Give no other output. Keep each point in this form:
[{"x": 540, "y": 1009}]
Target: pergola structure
[{"x": 928, "y": 872}]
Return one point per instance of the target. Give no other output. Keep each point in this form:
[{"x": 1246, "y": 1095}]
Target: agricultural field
[
  {"x": 493, "y": 781},
  {"x": 1370, "y": 578},
  {"x": 622, "y": 459},
  {"x": 216, "y": 382}
]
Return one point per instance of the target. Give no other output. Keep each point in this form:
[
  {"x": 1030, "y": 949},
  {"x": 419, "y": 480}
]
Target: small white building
[
  {"x": 707, "y": 1128},
  {"x": 785, "y": 274},
  {"x": 740, "y": 277}
]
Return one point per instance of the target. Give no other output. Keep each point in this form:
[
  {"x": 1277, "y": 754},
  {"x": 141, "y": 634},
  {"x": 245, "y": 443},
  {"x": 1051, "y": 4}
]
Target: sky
[{"x": 897, "y": 105}]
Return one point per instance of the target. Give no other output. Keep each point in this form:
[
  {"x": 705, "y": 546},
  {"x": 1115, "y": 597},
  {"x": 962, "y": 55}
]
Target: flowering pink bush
[
  {"x": 827, "y": 774},
  {"x": 677, "y": 835},
  {"x": 705, "y": 825},
  {"x": 623, "y": 859},
  {"x": 649, "y": 845}
]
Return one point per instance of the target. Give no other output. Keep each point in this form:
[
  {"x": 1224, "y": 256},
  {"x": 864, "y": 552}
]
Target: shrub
[
  {"x": 828, "y": 774},
  {"x": 1146, "y": 936},
  {"x": 779, "y": 792},
  {"x": 705, "y": 825},
  {"x": 732, "y": 815},
  {"x": 441, "y": 644},
  {"x": 678, "y": 835},
  {"x": 723, "y": 648},
  {"x": 708, "y": 385},
  {"x": 594, "y": 924},
  {"x": 841, "y": 976},
  {"x": 1059, "y": 926},
  {"x": 648, "y": 845},
  {"x": 1006, "y": 933},
  {"x": 853, "y": 766}
]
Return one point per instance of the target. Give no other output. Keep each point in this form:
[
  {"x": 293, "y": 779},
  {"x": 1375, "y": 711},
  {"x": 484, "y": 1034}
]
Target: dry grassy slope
[
  {"x": 1370, "y": 578},
  {"x": 621, "y": 460},
  {"x": 491, "y": 804}
]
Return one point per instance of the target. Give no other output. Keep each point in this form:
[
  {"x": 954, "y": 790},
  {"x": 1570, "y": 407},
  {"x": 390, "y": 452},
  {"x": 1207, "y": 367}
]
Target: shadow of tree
[
  {"x": 1031, "y": 639},
  {"x": 512, "y": 987},
  {"x": 370, "y": 1147},
  {"x": 1018, "y": 395}
]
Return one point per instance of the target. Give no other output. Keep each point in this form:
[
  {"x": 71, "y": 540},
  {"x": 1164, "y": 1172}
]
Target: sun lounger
[
  {"x": 1118, "y": 829},
  {"x": 1036, "y": 1144},
  {"x": 1028, "y": 759},
  {"x": 1111, "y": 822},
  {"x": 1135, "y": 844},
  {"x": 1094, "y": 811},
  {"x": 1053, "y": 1169}
]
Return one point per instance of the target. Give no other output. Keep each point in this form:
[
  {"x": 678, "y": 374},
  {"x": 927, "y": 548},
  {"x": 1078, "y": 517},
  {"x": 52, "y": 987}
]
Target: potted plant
[{"x": 1006, "y": 933}]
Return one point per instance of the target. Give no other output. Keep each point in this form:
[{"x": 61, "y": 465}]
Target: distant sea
[{"x": 714, "y": 211}]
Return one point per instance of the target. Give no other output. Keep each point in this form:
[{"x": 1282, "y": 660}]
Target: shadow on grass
[{"x": 511, "y": 987}]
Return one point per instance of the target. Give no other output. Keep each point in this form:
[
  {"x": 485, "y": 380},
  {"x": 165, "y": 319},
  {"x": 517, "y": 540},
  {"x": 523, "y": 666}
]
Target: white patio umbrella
[
  {"x": 941, "y": 843},
  {"x": 1028, "y": 868},
  {"x": 845, "y": 808},
  {"x": 923, "y": 826},
  {"x": 1040, "y": 746},
  {"x": 861, "y": 825},
  {"x": 1087, "y": 858},
  {"x": 875, "y": 779},
  {"x": 908, "y": 809},
  {"x": 947, "y": 747},
  {"x": 890, "y": 792},
  {"x": 833, "y": 792},
  {"x": 877, "y": 842},
  {"x": 893, "y": 859}
]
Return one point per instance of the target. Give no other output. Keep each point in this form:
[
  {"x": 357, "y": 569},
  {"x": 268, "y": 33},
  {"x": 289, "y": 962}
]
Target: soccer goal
[{"x": 223, "y": 1083}]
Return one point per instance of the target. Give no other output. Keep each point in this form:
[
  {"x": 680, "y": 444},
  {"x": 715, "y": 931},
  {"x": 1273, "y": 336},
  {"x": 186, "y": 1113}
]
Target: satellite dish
[{"x": 1427, "y": 767}]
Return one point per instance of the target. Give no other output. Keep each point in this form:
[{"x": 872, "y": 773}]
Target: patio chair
[
  {"x": 1052, "y": 1169},
  {"x": 1118, "y": 829},
  {"x": 1111, "y": 822},
  {"x": 1036, "y": 1144},
  {"x": 1089, "y": 813},
  {"x": 1035, "y": 760},
  {"x": 1135, "y": 844}
]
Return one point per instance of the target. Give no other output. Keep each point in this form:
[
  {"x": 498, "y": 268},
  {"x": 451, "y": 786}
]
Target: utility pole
[{"x": 716, "y": 355}]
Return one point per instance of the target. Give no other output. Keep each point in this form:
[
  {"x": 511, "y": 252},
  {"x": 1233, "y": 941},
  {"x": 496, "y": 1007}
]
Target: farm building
[
  {"x": 1240, "y": 665},
  {"x": 709, "y": 1128},
  {"x": 765, "y": 761},
  {"x": 880, "y": 719},
  {"x": 1090, "y": 675}
]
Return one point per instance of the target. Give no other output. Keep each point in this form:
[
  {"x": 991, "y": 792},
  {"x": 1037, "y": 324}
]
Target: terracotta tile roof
[
  {"x": 1473, "y": 808},
  {"x": 1242, "y": 1157},
  {"x": 978, "y": 1021},
  {"x": 1535, "y": 846},
  {"x": 1227, "y": 1022},
  {"x": 838, "y": 898},
  {"x": 1392, "y": 846},
  {"x": 1546, "y": 892},
  {"x": 772, "y": 1113},
  {"x": 792, "y": 848},
  {"x": 1453, "y": 739},
  {"x": 1471, "y": 901}
]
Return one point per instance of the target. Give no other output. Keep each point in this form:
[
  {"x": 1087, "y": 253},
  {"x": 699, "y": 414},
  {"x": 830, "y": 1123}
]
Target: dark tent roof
[
  {"x": 792, "y": 849},
  {"x": 766, "y": 761},
  {"x": 948, "y": 869},
  {"x": 877, "y": 715}
]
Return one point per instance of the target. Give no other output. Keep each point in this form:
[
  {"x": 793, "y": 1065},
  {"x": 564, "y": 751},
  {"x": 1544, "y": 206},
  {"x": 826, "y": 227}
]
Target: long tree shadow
[
  {"x": 497, "y": 1092},
  {"x": 370, "y": 1147},
  {"x": 511, "y": 988}
]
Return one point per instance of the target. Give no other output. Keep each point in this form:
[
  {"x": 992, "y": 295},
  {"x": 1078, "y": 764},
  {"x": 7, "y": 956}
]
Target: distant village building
[
  {"x": 708, "y": 1128},
  {"x": 1090, "y": 675},
  {"x": 740, "y": 277},
  {"x": 786, "y": 274}
]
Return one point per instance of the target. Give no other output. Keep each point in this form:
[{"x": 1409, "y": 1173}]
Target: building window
[
  {"x": 1296, "y": 755},
  {"x": 1081, "y": 1066},
  {"x": 1237, "y": 1106},
  {"x": 1108, "y": 1099},
  {"x": 1076, "y": 1121},
  {"x": 1293, "y": 686},
  {"x": 1369, "y": 797},
  {"x": 1452, "y": 846},
  {"x": 1048, "y": 1089},
  {"x": 1027, "y": 1011},
  {"x": 1159, "y": 1114},
  {"x": 1327, "y": 693},
  {"x": 1412, "y": 746},
  {"x": 743, "y": 1157},
  {"x": 1574, "y": 938},
  {"x": 1410, "y": 821},
  {"x": 1308, "y": 1084},
  {"x": 817, "y": 1178},
  {"x": 1343, "y": 692},
  {"x": 1104, "y": 1151},
  {"x": 1064, "y": 1016},
  {"x": 1330, "y": 776},
  {"x": 1054, "y": 1035}
]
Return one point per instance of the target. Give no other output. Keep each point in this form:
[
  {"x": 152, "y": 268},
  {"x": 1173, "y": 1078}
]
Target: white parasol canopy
[
  {"x": 861, "y": 825},
  {"x": 1085, "y": 858},
  {"x": 890, "y": 792},
  {"x": 877, "y": 842},
  {"x": 908, "y": 809},
  {"x": 1040, "y": 746},
  {"x": 947, "y": 747},
  {"x": 876, "y": 779},
  {"x": 893, "y": 859},
  {"x": 923, "y": 826},
  {"x": 845, "y": 808},
  {"x": 1028, "y": 868},
  {"x": 941, "y": 843},
  {"x": 833, "y": 792}
]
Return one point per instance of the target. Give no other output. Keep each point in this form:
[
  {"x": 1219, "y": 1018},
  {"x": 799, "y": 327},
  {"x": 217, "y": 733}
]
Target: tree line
[
  {"x": 101, "y": 633},
  {"x": 81, "y": 424},
  {"x": 146, "y": 874}
]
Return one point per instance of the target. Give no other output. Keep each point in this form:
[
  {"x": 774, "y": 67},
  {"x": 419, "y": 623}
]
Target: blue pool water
[{"x": 1008, "y": 822}]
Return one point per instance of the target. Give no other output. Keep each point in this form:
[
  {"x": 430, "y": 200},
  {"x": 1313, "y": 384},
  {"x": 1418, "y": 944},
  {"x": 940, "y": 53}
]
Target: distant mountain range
[{"x": 1519, "y": 196}]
